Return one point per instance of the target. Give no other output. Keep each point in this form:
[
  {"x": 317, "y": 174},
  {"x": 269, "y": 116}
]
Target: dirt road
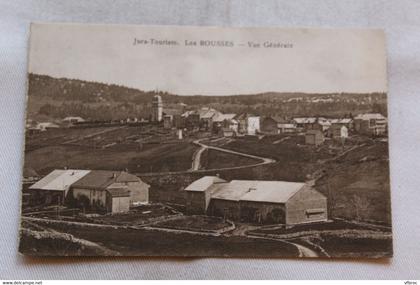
[
  {"x": 242, "y": 230},
  {"x": 197, "y": 157},
  {"x": 196, "y": 161},
  {"x": 304, "y": 251}
]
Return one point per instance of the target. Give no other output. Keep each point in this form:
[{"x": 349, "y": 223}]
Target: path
[
  {"x": 203, "y": 147},
  {"x": 97, "y": 225},
  {"x": 196, "y": 161},
  {"x": 242, "y": 230},
  {"x": 303, "y": 250},
  {"x": 281, "y": 140}
]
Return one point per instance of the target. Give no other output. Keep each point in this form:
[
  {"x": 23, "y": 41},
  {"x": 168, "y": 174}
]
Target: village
[{"x": 217, "y": 177}]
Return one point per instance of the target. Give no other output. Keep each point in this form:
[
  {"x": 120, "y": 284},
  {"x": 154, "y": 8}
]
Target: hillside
[{"x": 55, "y": 98}]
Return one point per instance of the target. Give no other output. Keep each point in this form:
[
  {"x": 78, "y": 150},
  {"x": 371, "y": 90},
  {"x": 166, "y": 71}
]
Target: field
[
  {"x": 338, "y": 238},
  {"x": 354, "y": 177},
  {"x": 195, "y": 223},
  {"x": 213, "y": 159},
  {"x": 356, "y": 183},
  {"x": 363, "y": 195},
  {"x": 142, "y": 242},
  {"x": 111, "y": 149}
]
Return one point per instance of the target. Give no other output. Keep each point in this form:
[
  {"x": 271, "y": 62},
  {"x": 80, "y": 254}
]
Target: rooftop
[
  {"x": 370, "y": 116},
  {"x": 221, "y": 117},
  {"x": 204, "y": 183},
  {"x": 80, "y": 119},
  {"x": 305, "y": 120},
  {"x": 59, "y": 179},
  {"x": 207, "y": 113},
  {"x": 341, "y": 121},
  {"x": 257, "y": 191},
  {"x": 314, "y": 132},
  {"x": 100, "y": 179},
  {"x": 118, "y": 192}
]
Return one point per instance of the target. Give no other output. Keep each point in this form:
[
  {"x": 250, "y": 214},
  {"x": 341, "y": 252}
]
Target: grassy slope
[
  {"x": 158, "y": 243},
  {"x": 359, "y": 184},
  {"x": 156, "y": 158},
  {"x": 214, "y": 159},
  {"x": 359, "y": 180}
]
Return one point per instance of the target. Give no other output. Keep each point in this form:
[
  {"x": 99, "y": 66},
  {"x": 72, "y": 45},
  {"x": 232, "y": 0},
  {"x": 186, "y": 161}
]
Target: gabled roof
[
  {"x": 324, "y": 123},
  {"x": 204, "y": 183},
  {"x": 45, "y": 125},
  {"x": 341, "y": 121},
  {"x": 370, "y": 116},
  {"x": 219, "y": 117},
  {"x": 314, "y": 132},
  {"x": 118, "y": 192},
  {"x": 207, "y": 113},
  {"x": 187, "y": 113},
  {"x": 80, "y": 119},
  {"x": 59, "y": 180},
  {"x": 277, "y": 119},
  {"x": 244, "y": 116},
  {"x": 100, "y": 179},
  {"x": 257, "y": 191},
  {"x": 172, "y": 111},
  {"x": 305, "y": 120},
  {"x": 269, "y": 191},
  {"x": 286, "y": 125}
]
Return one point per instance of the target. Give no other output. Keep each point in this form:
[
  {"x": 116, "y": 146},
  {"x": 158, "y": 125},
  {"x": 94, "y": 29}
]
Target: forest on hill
[{"x": 56, "y": 98}]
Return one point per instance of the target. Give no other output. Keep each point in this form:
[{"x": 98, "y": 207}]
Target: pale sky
[{"x": 320, "y": 61}]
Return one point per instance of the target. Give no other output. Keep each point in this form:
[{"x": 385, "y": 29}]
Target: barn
[
  {"x": 99, "y": 188},
  {"x": 198, "y": 194},
  {"x": 117, "y": 200},
  {"x": 53, "y": 188},
  {"x": 264, "y": 202}
]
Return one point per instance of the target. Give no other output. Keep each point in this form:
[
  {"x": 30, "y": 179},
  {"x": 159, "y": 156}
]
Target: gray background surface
[{"x": 401, "y": 21}]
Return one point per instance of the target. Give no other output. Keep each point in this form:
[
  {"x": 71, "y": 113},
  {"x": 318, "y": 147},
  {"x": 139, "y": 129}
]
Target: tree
[{"x": 361, "y": 206}]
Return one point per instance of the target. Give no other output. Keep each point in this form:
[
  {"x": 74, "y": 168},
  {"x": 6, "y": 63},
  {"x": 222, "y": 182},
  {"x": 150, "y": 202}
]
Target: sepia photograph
[{"x": 206, "y": 141}]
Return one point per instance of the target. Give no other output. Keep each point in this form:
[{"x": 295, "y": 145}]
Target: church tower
[{"x": 157, "y": 109}]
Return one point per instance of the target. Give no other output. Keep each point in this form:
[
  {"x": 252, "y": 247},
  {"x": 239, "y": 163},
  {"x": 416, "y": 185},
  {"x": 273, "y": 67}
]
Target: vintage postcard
[{"x": 205, "y": 141}]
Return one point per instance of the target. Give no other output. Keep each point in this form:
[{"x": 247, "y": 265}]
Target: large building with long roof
[
  {"x": 96, "y": 190},
  {"x": 256, "y": 201},
  {"x": 53, "y": 188}
]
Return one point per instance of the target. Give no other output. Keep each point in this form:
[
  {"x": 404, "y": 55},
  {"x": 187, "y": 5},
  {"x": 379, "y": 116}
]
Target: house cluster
[
  {"x": 93, "y": 190},
  {"x": 256, "y": 201},
  {"x": 230, "y": 124},
  {"x": 317, "y": 128},
  {"x": 211, "y": 120},
  {"x": 33, "y": 126}
]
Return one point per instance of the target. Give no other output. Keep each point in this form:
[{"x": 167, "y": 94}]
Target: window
[{"x": 314, "y": 213}]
